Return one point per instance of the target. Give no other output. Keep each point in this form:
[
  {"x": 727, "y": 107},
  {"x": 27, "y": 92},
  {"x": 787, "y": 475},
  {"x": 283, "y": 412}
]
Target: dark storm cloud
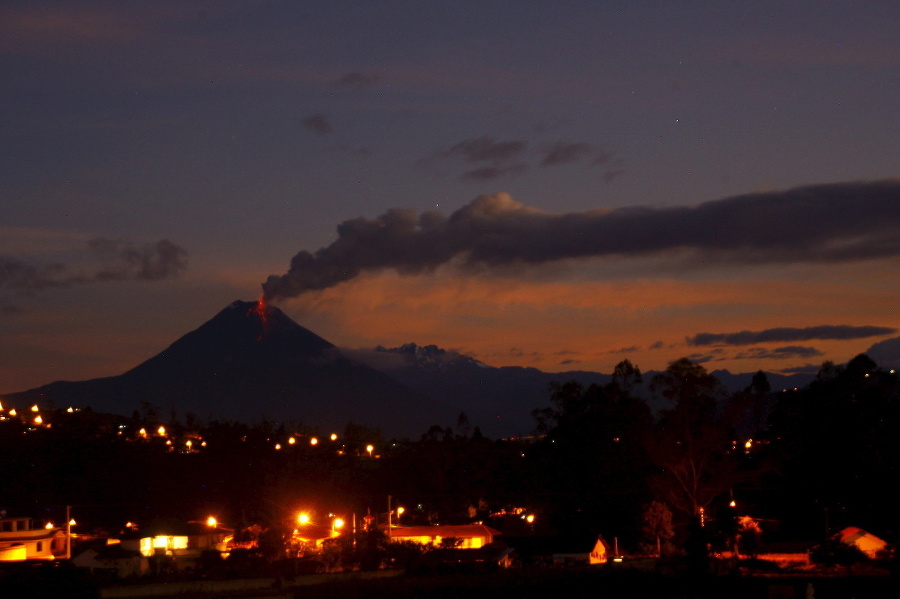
[
  {"x": 317, "y": 123},
  {"x": 486, "y": 149},
  {"x": 151, "y": 262},
  {"x": 487, "y": 173},
  {"x": 113, "y": 260},
  {"x": 789, "y": 334},
  {"x": 822, "y": 223},
  {"x": 493, "y": 158},
  {"x": 356, "y": 80},
  {"x": 778, "y": 353},
  {"x": 564, "y": 152},
  {"x": 499, "y": 158}
]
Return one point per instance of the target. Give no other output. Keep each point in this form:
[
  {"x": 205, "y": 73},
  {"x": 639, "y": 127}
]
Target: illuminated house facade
[
  {"x": 23, "y": 538},
  {"x": 184, "y": 543},
  {"x": 469, "y": 536}
]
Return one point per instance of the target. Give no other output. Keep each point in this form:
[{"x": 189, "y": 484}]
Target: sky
[{"x": 561, "y": 185}]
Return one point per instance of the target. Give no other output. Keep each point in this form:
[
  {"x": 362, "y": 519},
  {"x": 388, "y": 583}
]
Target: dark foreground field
[
  {"x": 576, "y": 583},
  {"x": 568, "y": 584},
  {"x": 597, "y": 584}
]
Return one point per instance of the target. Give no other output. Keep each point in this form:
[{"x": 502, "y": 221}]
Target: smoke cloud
[
  {"x": 113, "y": 260},
  {"x": 823, "y": 223},
  {"x": 782, "y": 334}
]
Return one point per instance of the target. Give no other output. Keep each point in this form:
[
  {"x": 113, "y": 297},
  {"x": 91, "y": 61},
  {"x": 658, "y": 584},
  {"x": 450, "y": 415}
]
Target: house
[
  {"x": 24, "y": 538},
  {"x": 185, "y": 543},
  {"x": 468, "y": 536},
  {"x": 864, "y": 541},
  {"x": 597, "y": 555}
]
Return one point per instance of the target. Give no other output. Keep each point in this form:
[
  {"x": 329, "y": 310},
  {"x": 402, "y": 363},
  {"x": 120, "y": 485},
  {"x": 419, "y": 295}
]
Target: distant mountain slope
[
  {"x": 500, "y": 400},
  {"x": 248, "y": 364},
  {"x": 245, "y": 364}
]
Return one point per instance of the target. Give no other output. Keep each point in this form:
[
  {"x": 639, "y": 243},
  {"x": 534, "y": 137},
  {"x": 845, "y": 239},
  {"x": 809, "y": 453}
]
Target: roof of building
[{"x": 460, "y": 531}]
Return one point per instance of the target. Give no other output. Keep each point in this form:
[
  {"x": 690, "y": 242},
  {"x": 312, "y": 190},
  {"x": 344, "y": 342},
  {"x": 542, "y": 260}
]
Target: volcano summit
[{"x": 252, "y": 362}]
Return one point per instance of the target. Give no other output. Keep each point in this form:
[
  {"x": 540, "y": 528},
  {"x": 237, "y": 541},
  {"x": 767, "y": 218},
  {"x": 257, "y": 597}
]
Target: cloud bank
[
  {"x": 781, "y": 334},
  {"x": 829, "y": 223},
  {"x": 110, "y": 260}
]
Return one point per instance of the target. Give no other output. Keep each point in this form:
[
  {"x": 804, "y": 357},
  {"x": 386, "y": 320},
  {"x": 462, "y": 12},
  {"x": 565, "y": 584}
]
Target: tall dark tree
[{"x": 692, "y": 441}]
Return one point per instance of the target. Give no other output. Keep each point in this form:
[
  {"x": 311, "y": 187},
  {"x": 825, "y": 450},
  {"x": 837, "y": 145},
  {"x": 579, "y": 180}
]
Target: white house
[
  {"x": 23, "y": 538},
  {"x": 470, "y": 536}
]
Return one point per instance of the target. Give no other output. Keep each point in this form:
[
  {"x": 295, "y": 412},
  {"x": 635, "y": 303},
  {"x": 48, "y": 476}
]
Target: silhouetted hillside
[{"x": 248, "y": 364}]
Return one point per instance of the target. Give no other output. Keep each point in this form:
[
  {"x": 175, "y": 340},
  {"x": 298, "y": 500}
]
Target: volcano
[{"x": 252, "y": 362}]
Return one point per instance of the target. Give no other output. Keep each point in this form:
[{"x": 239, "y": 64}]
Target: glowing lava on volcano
[{"x": 261, "y": 310}]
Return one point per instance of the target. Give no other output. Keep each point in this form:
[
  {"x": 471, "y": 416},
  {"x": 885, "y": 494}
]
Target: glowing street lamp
[
  {"x": 337, "y": 524},
  {"x": 212, "y": 522},
  {"x": 313, "y": 441},
  {"x": 370, "y": 448},
  {"x": 303, "y": 518}
]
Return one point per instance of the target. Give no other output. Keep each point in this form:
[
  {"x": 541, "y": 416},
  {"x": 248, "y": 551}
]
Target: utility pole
[{"x": 68, "y": 532}]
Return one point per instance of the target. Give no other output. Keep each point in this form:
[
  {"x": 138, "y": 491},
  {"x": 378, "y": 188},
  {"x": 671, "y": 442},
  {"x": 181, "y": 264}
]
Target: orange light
[
  {"x": 338, "y": 522},
  {"x": 370, "y": 449},
  {"x": 313, "y": 441},
  {"x": 212, "y": 522},
  {"x": 334, "y": 436},
  {"x": 35, "y": 408},
  {"x": 38, "y": 419},
  {"x": 277, "y": 446},
  {"x": 303, "y": 518},
  {"x": 291, "y": 440},
  {"x": 161, "y": 431},
  {"x": 49, "y": 526}
]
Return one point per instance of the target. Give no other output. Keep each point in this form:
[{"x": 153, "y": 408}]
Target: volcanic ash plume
[{"x": 822, "y": 223}]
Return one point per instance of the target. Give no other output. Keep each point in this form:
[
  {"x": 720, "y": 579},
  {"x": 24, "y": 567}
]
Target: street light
[{"x": 303, "y": 518}]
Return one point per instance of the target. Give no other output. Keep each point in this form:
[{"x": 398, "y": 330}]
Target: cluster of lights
[
  {"x": 313, "y": 441},
  {"x": 305, "y": 519},
  {"x": 191, "y": 444},
  {"x": 33, "y": 419},
  {"x": 520, "y": 512}
]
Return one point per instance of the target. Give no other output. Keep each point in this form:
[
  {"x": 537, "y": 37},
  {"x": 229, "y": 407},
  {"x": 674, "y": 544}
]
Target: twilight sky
[{"x": 551, "y": 184}]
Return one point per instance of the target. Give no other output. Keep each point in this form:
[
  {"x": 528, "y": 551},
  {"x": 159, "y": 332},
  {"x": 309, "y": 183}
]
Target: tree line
[{"x": 794, "y": 464}]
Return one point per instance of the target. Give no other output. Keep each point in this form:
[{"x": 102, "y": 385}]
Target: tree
[
  {"x": 626, "y": 375},
  {"x": 657, "y": 528},
  {"x": 691, "y": 444}
]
